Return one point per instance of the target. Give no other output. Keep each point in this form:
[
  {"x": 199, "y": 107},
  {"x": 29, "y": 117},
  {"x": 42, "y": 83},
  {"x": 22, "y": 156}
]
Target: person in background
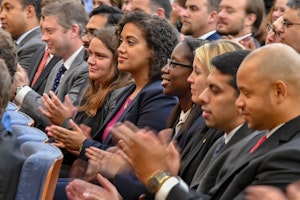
[{"x": 22, "y": 19}]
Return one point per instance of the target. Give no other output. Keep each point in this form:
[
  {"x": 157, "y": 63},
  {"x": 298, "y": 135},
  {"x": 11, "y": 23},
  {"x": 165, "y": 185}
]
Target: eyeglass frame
[
  {"x": 286, "y": 24},
  {"x": 171, "y": 62},
  {"x": 270, "y": 27},
  {"x": 89, "y": 33}
]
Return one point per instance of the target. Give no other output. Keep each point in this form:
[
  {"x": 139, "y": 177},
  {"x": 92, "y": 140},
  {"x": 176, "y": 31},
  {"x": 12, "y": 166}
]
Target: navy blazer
[
  {"x": 214, "y": 36},
  {"x": 150, "y": 108}
]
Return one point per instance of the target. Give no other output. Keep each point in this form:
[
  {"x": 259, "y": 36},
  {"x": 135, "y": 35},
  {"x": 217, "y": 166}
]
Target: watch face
[{"x": 152, "y": 184}]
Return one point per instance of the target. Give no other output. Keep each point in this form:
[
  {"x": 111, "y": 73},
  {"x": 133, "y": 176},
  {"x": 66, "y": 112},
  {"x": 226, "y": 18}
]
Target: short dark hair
[
  {"x": 165, "y": 4},
  {"x": 294, "y": 4},
  {"x": 36, "y": 4},
  {"x": 159, "y": 35},
  {"x": 113, "y": 14},
  {"x": 192, "y": 44},
  {"x": 228, "y": 63},
  {"x": 256, "y": 7}
]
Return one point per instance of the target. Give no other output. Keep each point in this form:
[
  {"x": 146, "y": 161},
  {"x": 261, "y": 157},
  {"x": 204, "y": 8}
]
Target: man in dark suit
[
  {"x": 63, "y": 38},
  {"x": 21, "y": 19},
  {"x": 200, "y": 19},
  {"x": 10, "y": 154}
]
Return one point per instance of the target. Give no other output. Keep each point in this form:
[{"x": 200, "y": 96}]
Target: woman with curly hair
[{"x": 146, "y": 42}]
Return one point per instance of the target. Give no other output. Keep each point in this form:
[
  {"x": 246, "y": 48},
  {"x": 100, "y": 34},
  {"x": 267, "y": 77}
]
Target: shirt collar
[
  {"x": 70, "y": 60},
  {"x": 19, "y": 40}
]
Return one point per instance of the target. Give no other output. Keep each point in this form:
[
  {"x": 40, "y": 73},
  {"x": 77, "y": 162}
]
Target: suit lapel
[{"x": 281, "y": 136}]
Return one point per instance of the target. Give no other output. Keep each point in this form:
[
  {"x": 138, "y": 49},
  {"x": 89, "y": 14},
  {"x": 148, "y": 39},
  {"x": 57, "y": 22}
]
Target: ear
[
  {"x": 279, "y": 91},
  {"x": 212, "y": 17},
  {"x": 30, "y": 11},
  {"x": 75, "y": 30},
  {"x": 161, "y": 12},
  {"x": 250, "y": 19}
]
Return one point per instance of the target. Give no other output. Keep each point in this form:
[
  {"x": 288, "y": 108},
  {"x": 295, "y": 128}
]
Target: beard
[{"x": 186, "y": 30}]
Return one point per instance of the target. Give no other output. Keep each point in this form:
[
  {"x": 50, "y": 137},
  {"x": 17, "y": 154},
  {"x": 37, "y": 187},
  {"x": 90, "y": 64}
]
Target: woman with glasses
[
  {"x": 273, "y": 31},
  {"x": 174, "y": 82}
]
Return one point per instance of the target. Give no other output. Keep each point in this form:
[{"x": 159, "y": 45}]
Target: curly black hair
[{"x": 160, "y": 37}]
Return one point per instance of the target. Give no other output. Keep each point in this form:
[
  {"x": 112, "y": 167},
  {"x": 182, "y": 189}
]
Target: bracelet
[
  {"x": 80, "y": 148},
  {"x": 157, "y": 180}
]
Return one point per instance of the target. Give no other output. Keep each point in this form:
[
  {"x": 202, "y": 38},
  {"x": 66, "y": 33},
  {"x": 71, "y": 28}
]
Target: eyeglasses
[
  {"x": 89, "y": 33},
  {"x": 270, "y": 27},
  {"x": 286, "y": 24},
  {"x": 170, "y": 64}
]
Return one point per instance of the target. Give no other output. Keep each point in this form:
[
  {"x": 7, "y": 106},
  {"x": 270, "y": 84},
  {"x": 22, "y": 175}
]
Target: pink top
[{"x": 115, "y": 118}]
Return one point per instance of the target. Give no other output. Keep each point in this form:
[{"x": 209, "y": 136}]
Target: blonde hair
[{"x": 217, "y": 47}]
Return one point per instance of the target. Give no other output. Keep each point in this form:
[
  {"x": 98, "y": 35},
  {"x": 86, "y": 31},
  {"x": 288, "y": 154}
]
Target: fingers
[
  {"x": 74, "y": 126},
  {"x": 165, "y": 136},
  {"x": 106, "y": 184}
]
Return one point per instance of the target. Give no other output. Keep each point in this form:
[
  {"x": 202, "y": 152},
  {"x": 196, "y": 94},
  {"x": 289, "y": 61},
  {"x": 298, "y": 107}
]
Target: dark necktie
[
  {"x": 219, "y": 147},
  {"x": 259, "y": 142},
  {"x": 59, "y": 74}
]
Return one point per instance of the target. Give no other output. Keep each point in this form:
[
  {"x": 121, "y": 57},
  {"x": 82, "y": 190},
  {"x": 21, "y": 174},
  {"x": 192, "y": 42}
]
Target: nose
[
  {"x": 44, "y": 36},
  {"x": 221, "y": 13},
  {"x": 240, "y": 102},
  {"x": 190, "y": 79},
  {"x": 204, "y": 96},
  {"x": 91, "y": 60},
  {"x": 165, "y": 69}
]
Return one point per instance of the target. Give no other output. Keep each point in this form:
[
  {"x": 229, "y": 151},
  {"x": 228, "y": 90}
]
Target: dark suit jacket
[
  {"x": 215, "y": 36},
  {"x": 11, "y": 163},
  {"x": 241, "y": 133},
  {"x": 196, "y": 149},
  {"x": 275, "y": 162},
  {"x": 28, "y": 46},
  {"x": 70, "y": 84},
  {"x": 150, "y": 108},
  {"x": 40, "y": 83}
]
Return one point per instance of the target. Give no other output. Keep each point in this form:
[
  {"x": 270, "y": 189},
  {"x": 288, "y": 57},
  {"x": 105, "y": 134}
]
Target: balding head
[
  {"x": 269, "y": 84},
  {"x": 276, "y": 61}
]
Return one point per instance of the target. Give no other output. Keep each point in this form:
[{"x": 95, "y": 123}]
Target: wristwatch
[{"x": 156, "y": 181}]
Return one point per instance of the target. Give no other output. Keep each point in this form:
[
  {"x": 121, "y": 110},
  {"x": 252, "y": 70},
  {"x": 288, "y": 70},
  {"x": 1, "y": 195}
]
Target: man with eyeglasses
[
  {"x": 291, "y": 25},
  {"x": 100, "y": 17}
]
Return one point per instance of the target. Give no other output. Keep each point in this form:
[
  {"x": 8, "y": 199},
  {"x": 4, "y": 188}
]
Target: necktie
[
  {"x": 259, "y": 142},
  {"x": 219, "y": 147},
  {"x": 59, "y": 74},
  {"x": 40, "y": 67}
]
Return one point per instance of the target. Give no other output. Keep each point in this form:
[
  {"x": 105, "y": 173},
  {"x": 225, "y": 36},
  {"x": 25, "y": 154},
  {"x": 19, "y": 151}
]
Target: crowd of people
[{"x": 156, "y": 99}]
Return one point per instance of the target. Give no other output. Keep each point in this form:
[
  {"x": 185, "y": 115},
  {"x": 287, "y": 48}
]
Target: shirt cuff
[
  {"x": 167, "y": 186},
  {"x": 21, "y": 94}
]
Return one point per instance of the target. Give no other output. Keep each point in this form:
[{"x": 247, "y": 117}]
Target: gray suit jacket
[
  {"x": 41, "y": 82},
  {"x": 28, "y": 46},
  {"x": 70, "y": 85}
]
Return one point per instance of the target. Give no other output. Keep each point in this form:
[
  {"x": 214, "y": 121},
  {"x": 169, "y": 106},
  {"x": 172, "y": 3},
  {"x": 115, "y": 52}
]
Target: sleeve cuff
[
  {"x": 167, "y": 186},
  {"x": 21, "y": 94}
]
